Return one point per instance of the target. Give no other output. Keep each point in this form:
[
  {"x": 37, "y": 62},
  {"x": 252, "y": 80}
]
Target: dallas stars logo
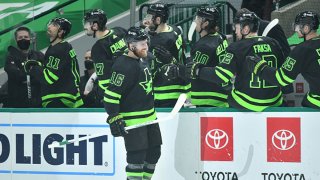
[{"x": 147, "y": 84}]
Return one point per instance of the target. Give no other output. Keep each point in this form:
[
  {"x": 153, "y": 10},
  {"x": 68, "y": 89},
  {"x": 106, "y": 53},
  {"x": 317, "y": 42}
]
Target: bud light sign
[{"x": 24, "y": 149}]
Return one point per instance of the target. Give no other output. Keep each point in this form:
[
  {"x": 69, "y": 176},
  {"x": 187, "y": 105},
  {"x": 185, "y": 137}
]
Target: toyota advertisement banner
[{"x": 196, "y": 146}]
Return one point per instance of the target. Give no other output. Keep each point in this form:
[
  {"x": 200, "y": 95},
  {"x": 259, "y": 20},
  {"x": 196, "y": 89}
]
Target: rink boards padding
[{"x": 204, "y": 143}]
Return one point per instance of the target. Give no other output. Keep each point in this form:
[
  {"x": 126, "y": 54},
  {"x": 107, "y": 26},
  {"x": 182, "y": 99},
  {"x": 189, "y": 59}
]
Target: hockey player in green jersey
[
  {"x": 129, "y": 100},
  {"x": 249, "y": 91},
  {"x": 166, "y": 44},
  {"x": 108, "y": 46},
  {"x": 304, "y": 59},
  {"x": 59, "y": 75},
  {"x": 207, "y": 51}
]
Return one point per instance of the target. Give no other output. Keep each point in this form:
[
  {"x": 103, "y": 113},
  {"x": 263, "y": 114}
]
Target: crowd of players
[{"x": 131, "y": 72}]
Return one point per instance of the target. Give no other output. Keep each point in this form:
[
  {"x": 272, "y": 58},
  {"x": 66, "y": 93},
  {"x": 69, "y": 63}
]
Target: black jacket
[{"x": 17, "y": 81}]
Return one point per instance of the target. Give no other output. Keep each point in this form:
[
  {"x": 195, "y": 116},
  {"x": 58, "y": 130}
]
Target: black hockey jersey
[
  {"x": 103, "y": 53},
  {"x": 250, "y": 92},
  {"x": 167, "y": 91},
  {"x": 59, "y": 76},
  {"x": 304, "y": 59},
  {"x": 130, "y": 91},
  {"x": 207, "y": 52}
]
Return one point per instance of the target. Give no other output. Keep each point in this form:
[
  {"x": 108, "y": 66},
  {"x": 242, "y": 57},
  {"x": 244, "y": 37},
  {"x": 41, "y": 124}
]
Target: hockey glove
[
  {"x": 256, "y": 64},
  {"x": 117, "y": 125},
  {"x": 163, "y": 55},
  {"x": 169, "y": 71},
  {"x": 29, "y": 64},
  {"x": 192, "y": 69}
]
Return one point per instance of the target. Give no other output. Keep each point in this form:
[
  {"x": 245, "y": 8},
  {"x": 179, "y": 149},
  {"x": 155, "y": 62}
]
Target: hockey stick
[
  {"x": 191, "y": 30},
  {"x": 21, "y": 56},
  {"x": 272, "y": 24},
  {"x": 173, "y": 113}
]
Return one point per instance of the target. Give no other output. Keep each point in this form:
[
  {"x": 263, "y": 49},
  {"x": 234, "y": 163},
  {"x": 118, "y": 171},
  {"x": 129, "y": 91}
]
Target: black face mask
[
  {"x": 23, "y": 44},
  {"x": 88, "y": 64}
]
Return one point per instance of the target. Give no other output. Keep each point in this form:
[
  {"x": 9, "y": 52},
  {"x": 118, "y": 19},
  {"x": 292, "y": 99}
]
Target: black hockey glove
[
  {"x": 163, "y": 55},
  {"x": 256, "y": 64},
  {"x": 192, "y": 69},
  {"x": 117, "y": 125},
  {"x": 29, "y": 64},
  {"x": 169, "y": 71}
]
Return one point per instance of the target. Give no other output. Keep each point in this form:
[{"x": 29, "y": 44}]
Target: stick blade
[
  {"x": 53, "y": 145},
  {"x": 270, "y": 26},
  {"x": 191, "y": 30}
]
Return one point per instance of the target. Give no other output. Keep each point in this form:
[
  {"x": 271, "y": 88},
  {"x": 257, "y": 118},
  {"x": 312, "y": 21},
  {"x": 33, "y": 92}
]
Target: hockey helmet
[
  {"x": 250, "y": 19},
  {"x": 136, "y": 34},
  {"x": 63, "y": 24},
  {"x": 307, "y": 18},
  {"x": 209, "y": 13},
  {"x": 96, "y": 16},
  {"x": 159, "y": 10}
]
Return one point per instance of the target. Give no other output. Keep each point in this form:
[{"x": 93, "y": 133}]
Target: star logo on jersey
[{"x": 147, "y": 84}]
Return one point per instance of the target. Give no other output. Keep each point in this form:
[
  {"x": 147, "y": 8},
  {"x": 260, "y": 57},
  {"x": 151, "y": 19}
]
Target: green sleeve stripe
[
  {"x": 112, "y": 94},
  {"x": 61, "y": 95},
  {"x": 52, "y": 75},
  {"x": 46, "y": 77},
  {"x": 221, "y": 76},
  {"x": 285, "y": 77},
  {"x": 279, "y": 79},
  {"x": 229, "y": 73},
  {"x": 313, "y": 100},
  {"x": 138, "y": 113},
  {"x": 103, "y": 84},
  {"x": 111, "y": 101}
]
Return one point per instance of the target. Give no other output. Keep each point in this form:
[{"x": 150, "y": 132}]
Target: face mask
[
  {"x": 23, "y": 44},
  {"x": 88, "y": 64}
]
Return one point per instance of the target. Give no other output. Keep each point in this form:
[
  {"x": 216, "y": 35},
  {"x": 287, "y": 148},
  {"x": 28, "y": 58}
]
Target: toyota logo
[
  {"x": 283, "y": 139},
  {"x": 217, "y": 139}
]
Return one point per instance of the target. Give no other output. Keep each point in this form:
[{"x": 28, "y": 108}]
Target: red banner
[
  {"x": 283, "y": 139},
  {"x": 216, "y": 139}
]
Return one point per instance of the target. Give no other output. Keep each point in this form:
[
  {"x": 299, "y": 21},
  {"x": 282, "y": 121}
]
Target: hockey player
[
  {"x": 129, "y": 101},
  {"x": 304, "y": 59},
  {"x": 17, "y": 77},
  {"x": 207, "y": 51},
  {"x": 108, "y": 46},
  {"x": 166, "y": 44},
  {"x": 249, "y": 91},
  {"x": 59, "y": 75}
]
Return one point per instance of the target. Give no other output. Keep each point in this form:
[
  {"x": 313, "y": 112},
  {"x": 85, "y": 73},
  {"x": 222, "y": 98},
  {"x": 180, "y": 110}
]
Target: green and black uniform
[
  {"x": 304, "y": 59},
  {"x": 207, "y": 51},
  {"x": 249, "y": 91},
  {"x": 130, "y": 94},
  {"x": 103, "y": 53},
  {"x": 166, "y": 91},
  {"x": 59, "y": 77}
]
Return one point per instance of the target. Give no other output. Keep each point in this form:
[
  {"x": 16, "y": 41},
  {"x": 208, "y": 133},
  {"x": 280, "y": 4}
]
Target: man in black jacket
[{"x": 18, "y": 85}]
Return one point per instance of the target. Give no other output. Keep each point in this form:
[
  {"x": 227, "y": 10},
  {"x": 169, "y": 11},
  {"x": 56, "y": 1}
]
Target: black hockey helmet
[
  {"x": 159, "y": 10},
  {"x": 63, "y": 24},
  {"x": 307, "y": 18},
  {"x": 250, "y": 19},
  {"x": 135, "y": 34},
  {"x": 209, "y": 13},
  {"x": 96, "y": 16}
]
